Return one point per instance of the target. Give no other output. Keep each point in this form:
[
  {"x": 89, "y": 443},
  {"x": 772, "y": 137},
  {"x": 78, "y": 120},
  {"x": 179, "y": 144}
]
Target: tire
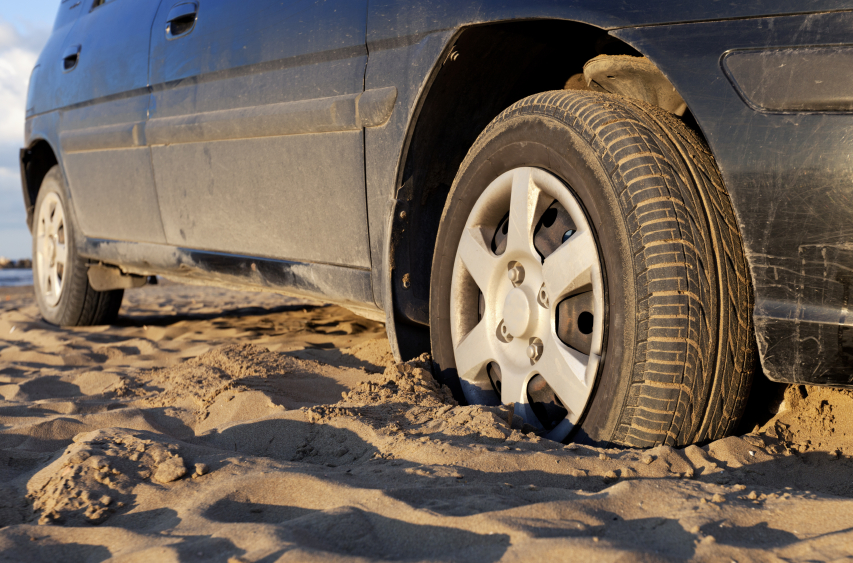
[
  {"x": 672, "y": 301},
  {"x": 60, "y": 275}
]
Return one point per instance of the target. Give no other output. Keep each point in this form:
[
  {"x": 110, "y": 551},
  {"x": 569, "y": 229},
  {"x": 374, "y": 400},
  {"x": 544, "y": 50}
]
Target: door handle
[
  {"x": 70, "y": 58},
  {"x": 181, "y": 19}
]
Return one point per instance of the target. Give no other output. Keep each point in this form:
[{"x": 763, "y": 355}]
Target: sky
[{"x": 24, "y": 28}]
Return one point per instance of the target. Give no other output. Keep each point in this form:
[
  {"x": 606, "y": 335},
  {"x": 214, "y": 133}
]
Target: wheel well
[
  {"x": 36, "y": 161},
  {"x": 487, "y": 69}
]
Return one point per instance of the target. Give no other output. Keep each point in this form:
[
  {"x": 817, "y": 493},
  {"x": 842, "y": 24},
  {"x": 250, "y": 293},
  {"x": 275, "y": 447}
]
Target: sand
[{"x": 213, "y": 425}]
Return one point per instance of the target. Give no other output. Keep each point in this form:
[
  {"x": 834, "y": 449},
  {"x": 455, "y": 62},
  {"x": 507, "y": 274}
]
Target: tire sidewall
[
  {"x": 61, "y": 313},
  {"x": 547, "y": 143}
]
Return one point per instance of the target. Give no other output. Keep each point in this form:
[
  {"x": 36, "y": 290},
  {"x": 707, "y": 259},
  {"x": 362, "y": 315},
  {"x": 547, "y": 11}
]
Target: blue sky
[
  {"x": 24, "y": 27},
  {"x": 29, "y": 12}
]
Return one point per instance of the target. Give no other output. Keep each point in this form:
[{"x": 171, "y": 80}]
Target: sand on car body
[{"x": 213, "y": 425}]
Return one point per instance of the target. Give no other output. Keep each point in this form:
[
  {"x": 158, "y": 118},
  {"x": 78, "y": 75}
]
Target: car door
[
  {"x": 104, "y": 89},
  {"x": 257, "y": 145}
]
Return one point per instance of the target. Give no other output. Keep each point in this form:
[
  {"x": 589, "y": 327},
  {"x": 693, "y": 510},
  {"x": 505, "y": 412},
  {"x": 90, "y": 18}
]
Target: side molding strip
[
  {"x": 350, "y": 112},
  {"x": 121, "y": 136},
  {"x": 323, "y": 115}
]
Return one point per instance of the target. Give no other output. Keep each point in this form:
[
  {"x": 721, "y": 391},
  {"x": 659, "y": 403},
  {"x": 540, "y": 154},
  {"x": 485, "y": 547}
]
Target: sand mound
[
  {"x": 408, "y": 401},
  {"x": 99, "y": 473},
  {"x": 376, "y": 352},
  {"x": 409, "y": 383},
  {"x": 199, "y": 383},
  {"x": 815, "y": 419}
]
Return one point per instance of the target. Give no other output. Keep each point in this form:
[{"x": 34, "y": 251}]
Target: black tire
[
  {"x": 680, "y": 351},
  {"x": 78, "y": 303}
]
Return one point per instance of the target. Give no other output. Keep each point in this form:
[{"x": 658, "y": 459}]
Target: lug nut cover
[
  {"x": 516, "y": 274},
  {"x": 534, "y": 351}
]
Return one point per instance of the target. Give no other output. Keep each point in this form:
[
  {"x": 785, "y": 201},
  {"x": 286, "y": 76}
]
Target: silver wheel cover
[
  {"x": 517, "y": 316},
  {"x": 51, "y": 249}
]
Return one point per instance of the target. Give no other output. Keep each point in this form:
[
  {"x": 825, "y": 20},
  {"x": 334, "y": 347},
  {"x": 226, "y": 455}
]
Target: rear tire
[
  {"x": 678, "y": 349},
  {"x": 60, "y": 275}
]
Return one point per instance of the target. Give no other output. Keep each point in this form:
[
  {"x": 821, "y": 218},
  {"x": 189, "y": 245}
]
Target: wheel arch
[
  {"x": 35, "y": 161},
  {"x": 483, "y": 70}
]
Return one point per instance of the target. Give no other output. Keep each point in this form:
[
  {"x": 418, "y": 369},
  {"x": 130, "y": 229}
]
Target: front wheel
[
  {"x": 588, "y": 268},
  {"x": 60, "y": 275}
]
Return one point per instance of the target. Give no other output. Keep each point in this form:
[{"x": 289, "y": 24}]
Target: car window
[{"x": 98, "y": 3}]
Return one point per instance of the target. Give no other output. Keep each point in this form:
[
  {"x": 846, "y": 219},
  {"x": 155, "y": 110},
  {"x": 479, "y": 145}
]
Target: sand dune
[{"x": 211, "y": 425}]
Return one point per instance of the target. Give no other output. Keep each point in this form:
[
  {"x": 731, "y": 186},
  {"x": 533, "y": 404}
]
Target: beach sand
[{"x": 214, "y": 425}]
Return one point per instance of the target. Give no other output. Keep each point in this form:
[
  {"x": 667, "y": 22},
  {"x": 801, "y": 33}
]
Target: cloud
[
  {"x": 19, "y": 50},
  {"x": 18, "y": 55},
  {"x": 8, "y": 175}
]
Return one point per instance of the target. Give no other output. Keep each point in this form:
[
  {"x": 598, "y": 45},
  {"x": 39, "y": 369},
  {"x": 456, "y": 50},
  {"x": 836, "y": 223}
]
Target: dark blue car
[{"x": 609, "y": 213}]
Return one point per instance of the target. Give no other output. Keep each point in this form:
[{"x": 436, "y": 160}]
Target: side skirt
[{"x": 349, "y": 287}]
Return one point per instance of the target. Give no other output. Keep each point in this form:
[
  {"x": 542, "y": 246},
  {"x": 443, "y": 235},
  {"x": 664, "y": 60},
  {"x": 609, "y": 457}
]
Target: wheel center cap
[
  {"x": 51, "y": 249},
  {"x": 517, "y": 313}
]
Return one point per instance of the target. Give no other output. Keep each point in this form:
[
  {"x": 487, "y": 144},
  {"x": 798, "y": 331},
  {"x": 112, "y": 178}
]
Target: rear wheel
[
  {"x": 60, "y": 275},
  {"x": 589, "y": 269}
]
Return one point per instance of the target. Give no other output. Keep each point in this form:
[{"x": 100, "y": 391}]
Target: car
[{"x": 609, "y": 214}]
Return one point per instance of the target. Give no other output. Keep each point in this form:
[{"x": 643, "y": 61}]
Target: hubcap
[
  {"x": 51, "y": 249},
  {"x": 517, "y": 315},
  {"x": 527, "y": 301}
]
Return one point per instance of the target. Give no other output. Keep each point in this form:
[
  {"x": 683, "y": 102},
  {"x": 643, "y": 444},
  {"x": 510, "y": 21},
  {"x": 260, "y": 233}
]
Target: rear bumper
[{"x": 802, "y": 321}]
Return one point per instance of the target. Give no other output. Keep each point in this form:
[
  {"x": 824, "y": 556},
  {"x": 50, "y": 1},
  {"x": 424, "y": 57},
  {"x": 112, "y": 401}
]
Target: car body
[{"x": 307, "y": 147}]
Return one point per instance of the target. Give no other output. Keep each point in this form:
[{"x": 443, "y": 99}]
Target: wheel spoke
[
  {"x": 477, "y": 257},
  {"x": 565, "y": 371},
  {"x": 44, "y": 274},
  {"x": 573, "y": 265},
  {"x": 54, "y": 276},
  {"x": 512, "y": 386},
  {"x": 527, "y": 203},
  {"x": 61, "y": 253},
  {"x": 473, "y": 352}
]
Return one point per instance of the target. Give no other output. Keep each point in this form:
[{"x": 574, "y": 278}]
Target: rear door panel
[{"x": 256, "y": 145}]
